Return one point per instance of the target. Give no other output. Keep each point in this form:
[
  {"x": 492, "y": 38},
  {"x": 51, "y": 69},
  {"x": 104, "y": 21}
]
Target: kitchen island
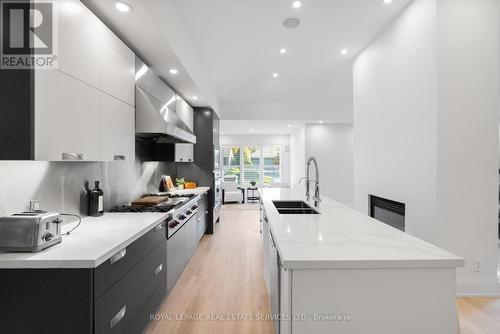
[{"x": 341, "y": 271}]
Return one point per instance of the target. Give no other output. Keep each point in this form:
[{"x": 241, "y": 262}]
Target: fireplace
[{"x": 388, "y": 211}]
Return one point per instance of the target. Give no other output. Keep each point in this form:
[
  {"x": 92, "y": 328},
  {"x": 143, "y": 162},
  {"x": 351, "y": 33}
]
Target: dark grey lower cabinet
[
  {"x": 191, "y": 241},
  {"x": 202, "y": 216},
  {"x": 117, "y": 308},
  {"x": 176, "y": 258},
  {"x": 116, "y": 297}
]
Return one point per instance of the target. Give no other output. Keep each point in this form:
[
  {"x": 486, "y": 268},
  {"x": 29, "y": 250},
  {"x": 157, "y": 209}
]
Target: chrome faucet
[{"x": 316, "y": 197}]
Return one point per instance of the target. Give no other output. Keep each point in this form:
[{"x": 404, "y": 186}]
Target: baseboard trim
[{"x": 477, "y": 287}]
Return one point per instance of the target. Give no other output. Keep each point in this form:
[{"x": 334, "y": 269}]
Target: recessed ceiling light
[
  {"x": 289, "y": 125},
  {"x": 281, "y": 133},
  {"x": 251, "y": 130},
  {"x": 282, "y": 51},
  {"x": 297, "y": 4},
  {"x": 122, "y": 6},
  {"x": 173, "y": 71},
  {"x": 344, "y": 51},
  {"x": 387, "y": 2},
  {"x": 275, "y": 75},
  {"x": 320, "y": 122},
  {"x": 291, "y": 22},
  {"x": 195, "y": 98}
]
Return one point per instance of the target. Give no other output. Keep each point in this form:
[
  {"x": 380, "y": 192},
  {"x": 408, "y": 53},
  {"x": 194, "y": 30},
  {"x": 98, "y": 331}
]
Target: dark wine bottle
[{"x": 96, "y": 201}]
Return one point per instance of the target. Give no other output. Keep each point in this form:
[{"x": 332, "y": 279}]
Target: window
[
  {"x": 231, "y": 160},
  {"x": 245, "y": 164},
  {"x": 271, "y": 156},
  {"x": 251, "y": 164}
]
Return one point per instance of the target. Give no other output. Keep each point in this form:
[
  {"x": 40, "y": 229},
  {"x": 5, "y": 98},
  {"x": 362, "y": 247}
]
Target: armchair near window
[{"x": 232, "y": 193}]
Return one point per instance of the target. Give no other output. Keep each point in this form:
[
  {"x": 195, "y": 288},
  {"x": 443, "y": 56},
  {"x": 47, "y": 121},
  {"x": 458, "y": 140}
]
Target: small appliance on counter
[{"x": 29, "y": 231}]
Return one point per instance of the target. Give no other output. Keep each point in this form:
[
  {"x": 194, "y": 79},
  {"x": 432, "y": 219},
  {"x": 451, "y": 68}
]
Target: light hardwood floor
[{"x": 224, "y": 276}]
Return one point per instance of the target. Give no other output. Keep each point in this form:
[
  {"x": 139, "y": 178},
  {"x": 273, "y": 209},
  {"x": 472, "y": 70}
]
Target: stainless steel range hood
[{"x": 155, "y": 102}]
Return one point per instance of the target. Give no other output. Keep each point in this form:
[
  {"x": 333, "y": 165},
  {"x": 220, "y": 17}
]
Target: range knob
[
  {"x": 173, "y": 224},
  {"x": 48, "y": 236},
  {"x": 182, "y": 217},
  {"x": 194, "y": 207},
  {"x": 188, "y": 212}
]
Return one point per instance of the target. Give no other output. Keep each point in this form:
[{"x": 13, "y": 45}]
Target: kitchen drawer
[
  {"x": 118, "y": 265},
  {"x": 116, "y": 310},
  {"x": 143, "y": 317}
]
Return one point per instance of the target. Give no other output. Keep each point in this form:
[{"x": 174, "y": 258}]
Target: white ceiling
[
  {"x": 238, "y": 43},
  {"x": 259, "y": 127}
]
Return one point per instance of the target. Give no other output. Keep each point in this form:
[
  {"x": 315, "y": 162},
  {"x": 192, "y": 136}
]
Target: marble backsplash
[{"x": 60, "y": 186}]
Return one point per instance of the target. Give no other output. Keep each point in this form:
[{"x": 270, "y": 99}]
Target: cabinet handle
[
  {"x": 206, "y": 212},
  {"x": 118, "y": 256},
  {"x": 158, "y": 270},
  {"x": 72, "y": 156},
  {"x": 265, "y": 219},
  {"x": 118, "y": 317},
  {"x": 158, "y": 227},
  {"x": 120, "y": 157}
]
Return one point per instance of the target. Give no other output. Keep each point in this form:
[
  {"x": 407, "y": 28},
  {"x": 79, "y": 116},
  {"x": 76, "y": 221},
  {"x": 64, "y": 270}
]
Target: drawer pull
[
  {"x": 118, "y": 256},
  {"x": 118, "y": 317},
  {"x": 158, "y": 270},
  {"x": 158, "y": 227},
  {"x": 120, "y": 157}
]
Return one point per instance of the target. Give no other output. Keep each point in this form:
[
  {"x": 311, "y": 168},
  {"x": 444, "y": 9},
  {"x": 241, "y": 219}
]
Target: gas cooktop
[
  {"x": 170, "y": 195},
  {"x": 132, "y": 208},
  {"x": 174, "y": 201}
]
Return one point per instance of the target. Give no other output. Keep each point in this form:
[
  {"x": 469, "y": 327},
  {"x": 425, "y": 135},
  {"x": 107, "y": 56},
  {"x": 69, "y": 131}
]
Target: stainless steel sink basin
[{"x": 294, "y": 208}]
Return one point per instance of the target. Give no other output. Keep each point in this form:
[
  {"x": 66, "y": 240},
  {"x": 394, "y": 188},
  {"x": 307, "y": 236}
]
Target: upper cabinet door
[
  {"x": 117, "y": 67},
  {"x": 66, "y": 118},
  {"x": 185, "y": 112},
  {"x": 117, "y": 129},
  {"x": 78, "y": 41}
]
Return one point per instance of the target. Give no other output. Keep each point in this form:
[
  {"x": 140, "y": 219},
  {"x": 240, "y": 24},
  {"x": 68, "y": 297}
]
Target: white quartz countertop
[
  {"x": 92, "y": 243},
  {"x": 343, "y": 238}
]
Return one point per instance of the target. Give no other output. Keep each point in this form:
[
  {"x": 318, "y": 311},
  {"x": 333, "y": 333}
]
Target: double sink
[{"x": 294, "y": 208}]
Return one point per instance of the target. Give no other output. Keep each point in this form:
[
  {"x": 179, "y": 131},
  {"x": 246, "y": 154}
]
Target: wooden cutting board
[{"x": 150, "y": 200}]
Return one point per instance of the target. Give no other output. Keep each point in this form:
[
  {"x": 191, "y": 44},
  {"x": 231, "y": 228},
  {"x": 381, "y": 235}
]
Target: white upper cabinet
[
  {"x": 117, "y": 124},
  {"x": 66, "y": 118},
  {"x": 185, "y": 112},
  {"x": 78, "y": 41},
  {"x": 84, "y": 110},
  {"x": 117, "y": 67},
  {"x": 184, "y": 153}
]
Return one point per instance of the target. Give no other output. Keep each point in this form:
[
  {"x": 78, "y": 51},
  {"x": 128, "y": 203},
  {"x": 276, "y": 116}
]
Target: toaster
[{"x": 29, "y": 231}]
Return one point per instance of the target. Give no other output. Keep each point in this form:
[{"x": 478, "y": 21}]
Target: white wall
[
  {"x": 395, "y": 118},
  {"x": 426, "y": 128},
  {"x": 283, "y": 140},
  {"x": 297, "y": 155},
  {"x": 468, "y": 104},
  {"x": 331, "y": 145}
]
